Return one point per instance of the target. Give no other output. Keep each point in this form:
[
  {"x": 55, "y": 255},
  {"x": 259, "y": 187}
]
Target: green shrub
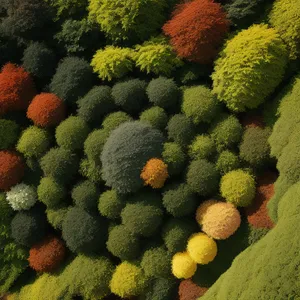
[
  {"x": 90, "y": 170},
  {"x": 255, "y": 53},
  {"x": 34, "y": 142},
  {"x": 155, "y": 116},
  {"x": 130, "y": 95},
  {"x": 146, "y": 197},
  {"x": 56, "y": 217},
  {"x": 113, "y": 120},
  {"x": 67, "y": 7},
  {"x": 227, "y": 161},
  {"x": 174, "y": 157},
  {"x": 111, "y": 204},
  {"x": 160, "y": 289},
  {"x": 6, "y": 211},
  {"x": 202, "y": 177},
  {"x": 199, "y": 104},
  {"x": 202, "y": 147},
  {"x": 9, "y": 133}
]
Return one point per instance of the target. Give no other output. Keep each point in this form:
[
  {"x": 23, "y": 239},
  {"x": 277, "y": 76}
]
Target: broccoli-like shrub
[
  {"x": 257, "y": 52},
  {"x": 39, "y": 60},
  {"x": 71, "y": 133},
  {"x": 183, "y": 266},
  {"x": 21, "y": 197},
  {"x": 56, "y": 217},
  {"x": 16, "y": 88},
  {"x": 155, "y": 116},
  {"x": 188, "y": 290},
  {"x": 202, "y": 177},
  {"x": 90, "y": 170},
  {"x": 130, "y": 95},
  {"x": 34, "y": 142},
  {"x": 174, "y": 156},
  {"x": 202, "y": 147},
  {"x": 83, "y": 233},
  {"x": 50, "y": 192},
  {"x": 9, "y": 133},
  {"x": 179, "y": 201},
  {"x": 112, "y": 62},
  {"x": 47, "y": 255},
  {"x": 60, "y": 164},
  {"x": 72, "y": 80},
  {"x": 197, "y": 29},
  {"x": 85, "y": 195},
  {"x": 163, "y": 92},
  {"x": 226, "y": 131},
  {"x": 142, "y": 218},
  {"x": 254, "y": 148},
  {"x": 160, "y": 289},
  {"x": 46, "y": 110},
  {"x": 12, "y": 169},
  {"x": 125, "y": 153},
  {"x": 238, "y": 187},
  {"x": 123, "y": 243},
  {"x": 113, "y": 120},
  {"x": 111, "y": 204},
  {"x": 227, "y": 161},
  {"x": 199, "y": 104},
  {"x": 180, "y": 129}
]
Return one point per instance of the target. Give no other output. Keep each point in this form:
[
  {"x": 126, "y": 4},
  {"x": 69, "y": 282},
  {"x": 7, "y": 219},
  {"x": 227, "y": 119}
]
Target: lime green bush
[
  {"x": 9, "y": 133},
  {"x": 115, "y": 119},
  {"x": 202, "y": 147},
  {"x": 90, "y": 170},
  {"x": 174, "y": 156},
  {"x": 67, "y": 7},
  {"x": 155, "y": 116},
  {"x": 56, "y": 217}
]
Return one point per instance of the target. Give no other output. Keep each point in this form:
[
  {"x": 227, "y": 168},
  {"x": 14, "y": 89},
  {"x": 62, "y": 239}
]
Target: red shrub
[
  {"x": 46, "y": 110},
  {"x": 16, "y": 88},
  {"x": 12, "y": 169},
  {"x": 47, "y": 255},
  {"x": 197, "y": 29},
  {"x": 188, "y": 290}
]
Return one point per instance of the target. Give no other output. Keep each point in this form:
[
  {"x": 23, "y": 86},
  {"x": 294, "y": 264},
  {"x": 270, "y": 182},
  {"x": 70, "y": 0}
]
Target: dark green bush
[
  {"x": 5, "y": 209},
  {"x": 160, "y": 289},
  {"x": 9, "y": 133},
  {"x": 111, "y": 204},
  {"x": 146, "y": 197},
  {"x": 155, "y": 116},
  {"x": 113, "y": 120},
  {"x": 174, "y": 157},
  {"x": 227, "y": 161}
]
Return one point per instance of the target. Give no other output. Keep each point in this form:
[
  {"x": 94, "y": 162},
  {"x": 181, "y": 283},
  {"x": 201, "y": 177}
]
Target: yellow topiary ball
[
  {"x": 183, "y": 266},
  {"x": 201, "y": 248},
  {"x": 218, "y": 219},
  {"x": 155, "y": 173}
]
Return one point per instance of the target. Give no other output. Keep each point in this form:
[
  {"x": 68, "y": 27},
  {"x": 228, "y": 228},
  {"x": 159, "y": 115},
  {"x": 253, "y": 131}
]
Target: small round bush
[
  {"x": 199, "y": 104},
  {"x": 85, "y": 195},
  {"x": 56, "y": 217},
  {"x": 202, "y": 147},
  {"x": 21, "y": 197},
  {"x": 227, "y": 161},
  {"x": 163, "y": 92},
  {"x": 9, "y": 133},
  {"x": 50, "y": 192},
  {"x": 180, "y": 129},
  {"x": 142, "y": 218},
  {"x": 202, "y": 177},
  {"x": 111, "y": 204},
  {"x": 155, "y": 116},
  {"x": 60, "y": 164},
  {"x": 90, "y": 170},
  {"x": 34, "y": 142},
  {"x": 180, "y": 201},
  {"x": 183, "y": 266},
  {"x": 123, "y": 243},
  {"x": 114, "y": 120},
  {"x": 130, "y": 95},
  {"x": 83, "y": 232},
  {"x": 238, "y": 187},
  {"x": 174, "y": 157},
  {"x": 95, "y": 104},
  {"x": 156, "y": 262}
]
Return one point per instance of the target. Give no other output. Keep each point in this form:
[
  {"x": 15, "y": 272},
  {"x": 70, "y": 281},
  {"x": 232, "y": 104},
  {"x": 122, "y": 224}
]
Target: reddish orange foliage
[
  {"x": 47, "y": 255},
  {"x": 16, "y": 88},
  {"x": 197, "y": 29},
  {"x": 46, "y": 110},
  {"x": 11, "y": 169},
  {"x": 188, "y": 290},
  {"x": 250, "y": 121}
]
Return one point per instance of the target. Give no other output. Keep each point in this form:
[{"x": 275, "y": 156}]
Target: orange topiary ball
[
  {"x": 12, "y": 169},
  {"x": 218, "y": 219},
  {"x": 155, "y": 173},
  {"x": 46, "y": 110},
  {"x": 47, "y": 255},
  {"x": 16, "y": 88}
]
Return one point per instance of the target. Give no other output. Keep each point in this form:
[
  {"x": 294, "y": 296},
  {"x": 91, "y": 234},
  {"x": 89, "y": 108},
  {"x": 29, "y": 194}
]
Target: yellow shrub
[{"x": 183, "y": 266}]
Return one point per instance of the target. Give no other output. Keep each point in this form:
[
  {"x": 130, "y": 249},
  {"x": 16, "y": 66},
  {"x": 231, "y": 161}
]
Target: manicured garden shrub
[
  {"x": 47, "y": 255},
  {"x": 188, "y": 290},
  {"x": 122, "y": 163},
  {"x": 72, "y": 80},
  {"x": 183, "y": 266},
  {"x": 155, "y": 116},
  {"x": 113, "y": 120},
  {"x": 227, "y": 161},
  {"x": 163, "y": 92},
  {"x": 9, "y": 133},
  {"x": 111, "y": 204},
  {"x": 197, "y": 29},
  {"x": 34, "y": 142},
  {"x": 56, "y": 217},
  {"x": 71, "y": 133},
  {"x": 130, "y": 95},
  {"x": 90, "y": 170},
  {"x": 174, "y": 157},
  {"x": 46, "y": 110},
  {"x": 199, "y": 104},
  {"x": 12, "y": 169},
  {"x": 202, "y": 147},
  {"x": 16, "y": 88},
  {"x": 202, "y": 177},
  {"x": 238, "y": 187},
  {"x": 265, "y": 57}
]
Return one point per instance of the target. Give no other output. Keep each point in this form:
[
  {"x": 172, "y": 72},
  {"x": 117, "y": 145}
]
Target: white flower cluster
[{"x": 21, "y": 196}]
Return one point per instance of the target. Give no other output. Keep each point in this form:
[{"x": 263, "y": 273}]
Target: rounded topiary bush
[
  {"x": 238, "y": 187},
  {"x": 90, "y": 170},
  {"x": 111, "y": 204},
  {"x": 183, "y": 266},
  {"x": 227, "y": 161},
  {"x": 126, "y": 152},
  {"x": 113, "y": 120},
  {"x": 9, "y": 133},
  {"x": 174, "y": 157},
  {"x": 155, "y": 116},
  {"x": 202, "y": 147}
]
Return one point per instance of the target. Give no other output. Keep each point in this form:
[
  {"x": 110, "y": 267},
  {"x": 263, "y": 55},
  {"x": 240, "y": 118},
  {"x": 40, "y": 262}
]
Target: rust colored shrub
[
  {"x": 16, "y": 88},
  {"x": 47, "y": 255},
  {"x": 12, "y": 169},
  {"x": 46, "y": 110},
  {"x": 197, "y": 29},
  {"x": 188, "y": 290}
]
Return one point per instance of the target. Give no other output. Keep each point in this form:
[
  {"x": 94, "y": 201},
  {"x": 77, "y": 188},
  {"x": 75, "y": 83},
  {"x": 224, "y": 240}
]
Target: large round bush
[{"x": 9, "y": 133}]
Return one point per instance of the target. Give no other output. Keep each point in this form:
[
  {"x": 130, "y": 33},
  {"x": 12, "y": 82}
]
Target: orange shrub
[{"x": 188, "y": 290}]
